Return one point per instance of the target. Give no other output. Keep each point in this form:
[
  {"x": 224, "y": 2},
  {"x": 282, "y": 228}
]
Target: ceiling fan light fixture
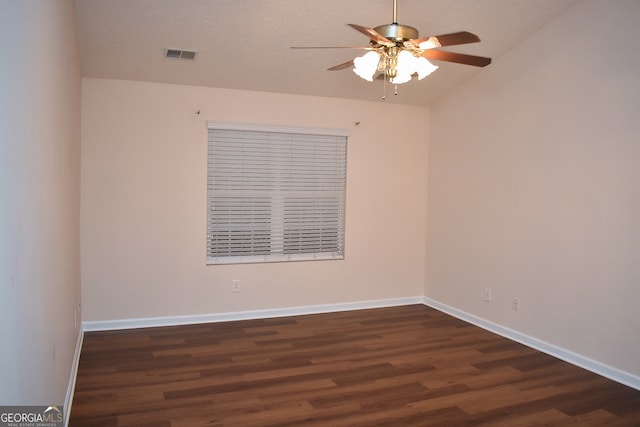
[
  {"x": 365, "y": 66},
  {"x": 424, "y": 67},
  {"x": 407, "y": 65},
  {"x": 405, "y": 68}
]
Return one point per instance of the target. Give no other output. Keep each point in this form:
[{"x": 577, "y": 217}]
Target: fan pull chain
[{"x": 384, "y": 87}]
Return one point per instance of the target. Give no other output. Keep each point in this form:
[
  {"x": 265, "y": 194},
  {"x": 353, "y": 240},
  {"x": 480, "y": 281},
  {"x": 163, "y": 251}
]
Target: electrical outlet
[
  {"x": 235, "y": 287},
  {"x": 487, "y": 294},
  {"x": 515, "y": 304}
]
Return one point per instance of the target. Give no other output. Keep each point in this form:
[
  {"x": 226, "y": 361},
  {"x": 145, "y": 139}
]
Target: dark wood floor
[{"x": 400, "y": 366}]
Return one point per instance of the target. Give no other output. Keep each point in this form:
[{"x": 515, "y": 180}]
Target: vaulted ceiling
[{"x": 245, "y": 44}]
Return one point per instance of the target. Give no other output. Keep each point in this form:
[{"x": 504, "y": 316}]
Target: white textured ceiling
[{"x": 245, "y": 44}]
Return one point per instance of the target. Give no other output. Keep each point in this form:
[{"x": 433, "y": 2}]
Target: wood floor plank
[{"x": 396, "y": 366}]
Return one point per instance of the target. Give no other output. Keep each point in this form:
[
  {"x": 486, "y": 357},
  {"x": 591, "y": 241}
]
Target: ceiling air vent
[{"x": 180, "y": 54}]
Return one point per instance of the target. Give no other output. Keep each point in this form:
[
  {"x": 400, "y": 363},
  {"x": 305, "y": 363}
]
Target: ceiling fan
[{"x": 397, "y": 52}]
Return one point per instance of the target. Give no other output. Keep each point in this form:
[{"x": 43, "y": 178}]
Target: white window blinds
[{"x": 275, "y": 194}]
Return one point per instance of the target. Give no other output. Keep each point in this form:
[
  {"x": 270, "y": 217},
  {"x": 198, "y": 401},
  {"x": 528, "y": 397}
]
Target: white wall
[
  {"x": 39, "y": 200},
  {"x": 144, "y": 203},
  {"x": 534, "y": 187}
]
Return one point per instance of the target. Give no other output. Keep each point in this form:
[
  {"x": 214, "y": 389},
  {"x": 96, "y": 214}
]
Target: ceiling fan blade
[
  {"x": 341, "y": 66},
  {"x": 459, "y": 58},
  {"x": 372, "y": 34},
  {"x": 462, "y": 37}
]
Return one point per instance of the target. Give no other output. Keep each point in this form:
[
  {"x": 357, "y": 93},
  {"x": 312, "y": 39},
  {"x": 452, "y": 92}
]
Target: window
[{"x": 275, "y": 194}]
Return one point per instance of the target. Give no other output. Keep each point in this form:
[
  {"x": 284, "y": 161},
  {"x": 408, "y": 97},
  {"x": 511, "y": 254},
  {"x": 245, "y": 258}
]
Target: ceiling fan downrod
[{"x": 395, "y": 12}]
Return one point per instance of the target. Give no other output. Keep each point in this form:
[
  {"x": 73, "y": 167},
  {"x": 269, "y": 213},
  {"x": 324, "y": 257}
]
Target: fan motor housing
[{"x": 397, "y": 32}]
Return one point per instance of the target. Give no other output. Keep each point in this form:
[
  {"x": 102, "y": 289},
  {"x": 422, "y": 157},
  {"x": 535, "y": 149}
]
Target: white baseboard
[
  {"x": 107, "y": 325},
  {"x": 599, "y": 368},
  {"x": 68, "y": 400}
]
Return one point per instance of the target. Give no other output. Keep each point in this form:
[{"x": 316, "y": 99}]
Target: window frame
[{"x": 338, "y": 254}]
